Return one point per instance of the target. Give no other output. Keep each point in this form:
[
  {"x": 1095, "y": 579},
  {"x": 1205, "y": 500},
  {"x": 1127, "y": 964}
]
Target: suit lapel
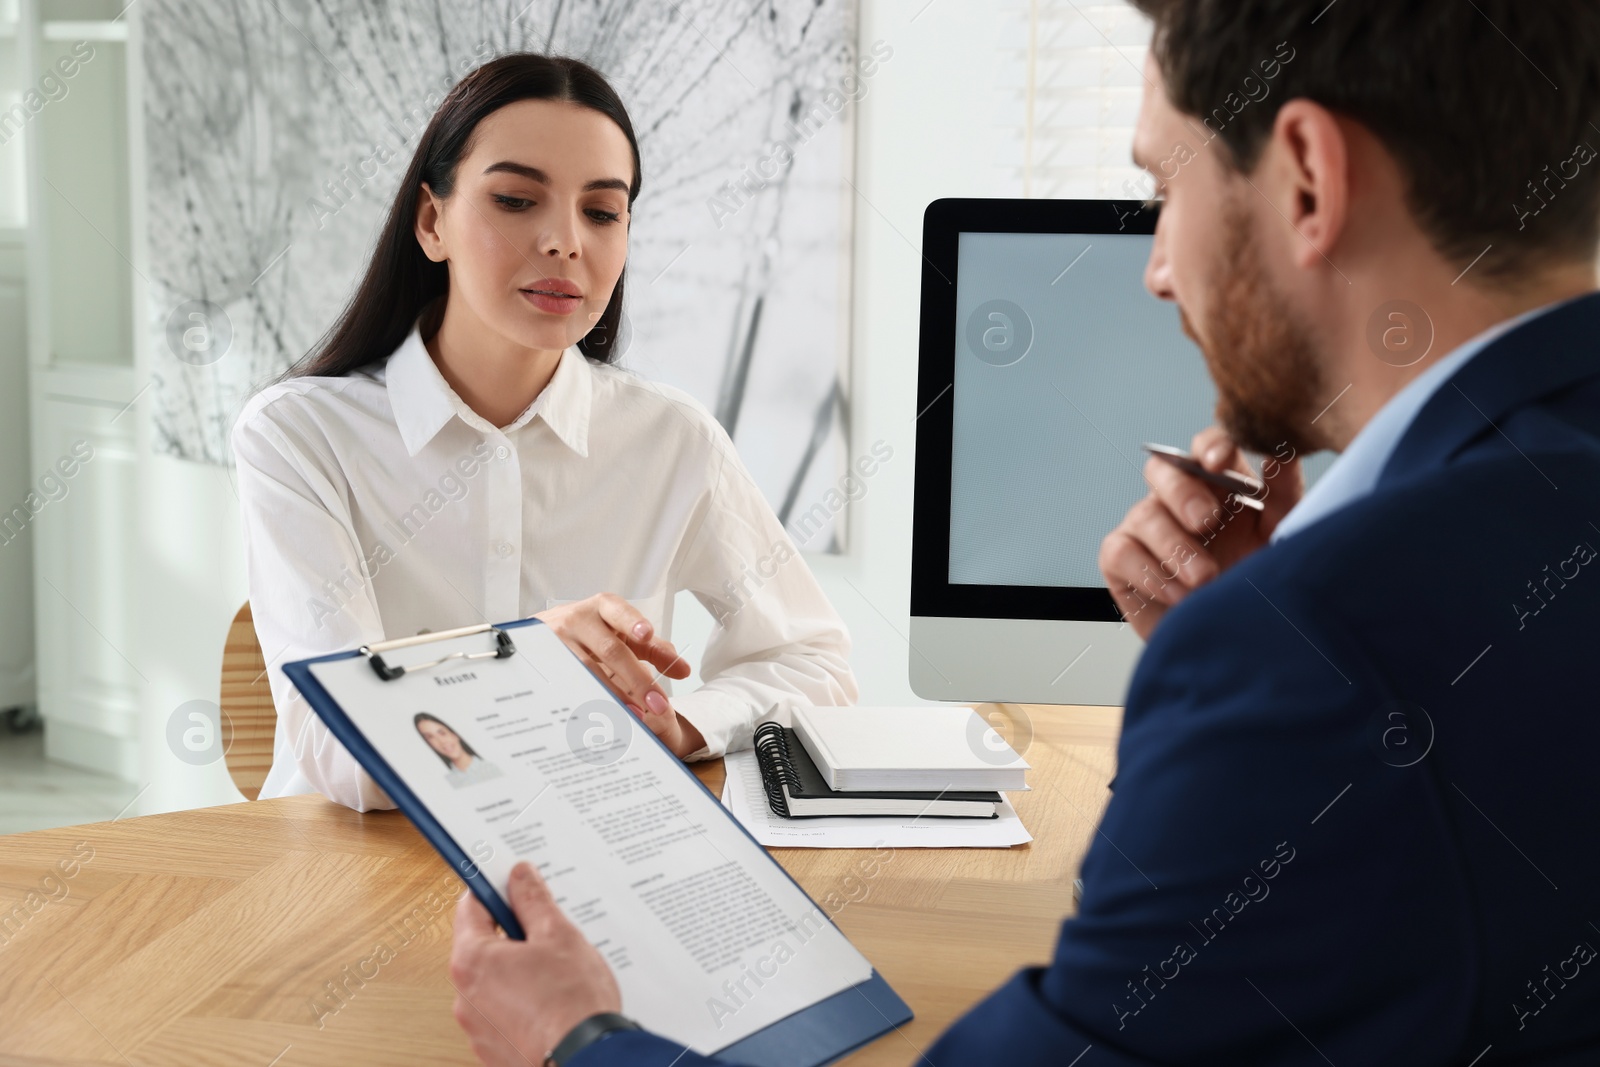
[{"x": 1546, "y": 354}]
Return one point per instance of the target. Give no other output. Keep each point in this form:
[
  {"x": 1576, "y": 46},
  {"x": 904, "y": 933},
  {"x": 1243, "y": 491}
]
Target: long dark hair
[
  {"x": 401, "y": 282},
  {"x": 420, "y": 717}
]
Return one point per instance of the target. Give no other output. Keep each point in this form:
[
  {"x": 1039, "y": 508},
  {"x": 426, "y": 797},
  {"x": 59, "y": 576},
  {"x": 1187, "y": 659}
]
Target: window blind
[{"x": 1076, "y": 78}]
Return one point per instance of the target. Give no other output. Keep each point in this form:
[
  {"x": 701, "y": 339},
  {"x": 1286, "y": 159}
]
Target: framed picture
[{"x": 276, "y": 132}]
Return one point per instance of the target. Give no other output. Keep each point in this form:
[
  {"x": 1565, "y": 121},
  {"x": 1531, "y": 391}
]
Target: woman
[
  {"x": 463, "y": 766},
  {"x": 460, "y": 449}
]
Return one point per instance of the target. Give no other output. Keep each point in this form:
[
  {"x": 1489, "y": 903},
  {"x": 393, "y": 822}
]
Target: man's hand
[
  {"x": 517, "y": 999},
  {"x": 1186, "y": 532},
  {"x": 617, "y": 643}
]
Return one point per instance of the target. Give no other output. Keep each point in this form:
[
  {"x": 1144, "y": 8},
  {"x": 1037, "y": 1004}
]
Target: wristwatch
[{"x": 585, "y": 1034}]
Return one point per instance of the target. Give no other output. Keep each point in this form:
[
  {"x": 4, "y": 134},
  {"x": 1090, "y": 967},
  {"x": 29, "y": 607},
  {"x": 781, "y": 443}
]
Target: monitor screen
[
  {"x": 1064, "y": 366},
  {"x": 1044, "y": 365}
]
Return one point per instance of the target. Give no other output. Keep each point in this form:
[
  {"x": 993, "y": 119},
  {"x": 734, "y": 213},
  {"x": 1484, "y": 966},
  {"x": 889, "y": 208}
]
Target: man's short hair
[{"x": 1491, "y": 108}]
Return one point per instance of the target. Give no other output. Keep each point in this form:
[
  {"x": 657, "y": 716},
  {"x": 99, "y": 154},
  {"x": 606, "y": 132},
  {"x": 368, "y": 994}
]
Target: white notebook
[{"x": 880, "y": 750}]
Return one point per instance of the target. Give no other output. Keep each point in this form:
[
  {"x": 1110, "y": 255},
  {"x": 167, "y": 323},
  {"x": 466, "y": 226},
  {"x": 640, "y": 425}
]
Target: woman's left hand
[
  {"x": 618, "y": 643},
  {"x": 676, "y": 732}
]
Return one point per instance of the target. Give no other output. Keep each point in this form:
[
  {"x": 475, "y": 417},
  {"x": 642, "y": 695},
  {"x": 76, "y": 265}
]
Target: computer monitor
[{"x": 1044, "y": 365}]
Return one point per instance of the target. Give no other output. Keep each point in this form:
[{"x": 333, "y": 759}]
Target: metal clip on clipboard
[{"x": 503, "y": 648}]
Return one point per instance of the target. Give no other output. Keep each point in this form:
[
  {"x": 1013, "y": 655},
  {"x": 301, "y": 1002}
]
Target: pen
[{"x": 1248, "y": 490}]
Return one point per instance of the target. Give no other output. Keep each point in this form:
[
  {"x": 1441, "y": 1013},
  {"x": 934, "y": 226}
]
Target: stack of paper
[{"x": 928, "y": 749}]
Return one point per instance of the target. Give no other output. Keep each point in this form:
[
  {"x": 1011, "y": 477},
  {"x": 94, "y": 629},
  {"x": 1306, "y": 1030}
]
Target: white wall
[
  {"x": 926, "y": 129},
  {"x": 191, "y": 581}
]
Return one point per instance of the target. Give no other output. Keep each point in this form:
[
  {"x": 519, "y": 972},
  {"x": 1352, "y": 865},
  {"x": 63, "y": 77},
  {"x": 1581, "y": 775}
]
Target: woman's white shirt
[
  {"x": 379, "y": 505},
  {"x": 478, "y": 770}
]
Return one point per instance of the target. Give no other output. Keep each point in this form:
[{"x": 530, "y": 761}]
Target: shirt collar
[
  {"x": 1354, "y": 472},
  {"x": 566, "y": 402},
  {"x": 422, "y": 401}
]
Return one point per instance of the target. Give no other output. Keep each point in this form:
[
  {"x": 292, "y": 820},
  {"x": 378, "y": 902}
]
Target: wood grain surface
[
  {"x": 297, "y": 932},
  {"x": 249, "y": 720}
]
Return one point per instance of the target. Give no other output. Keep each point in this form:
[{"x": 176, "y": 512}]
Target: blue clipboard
[{"x": 812, "y": 1037}]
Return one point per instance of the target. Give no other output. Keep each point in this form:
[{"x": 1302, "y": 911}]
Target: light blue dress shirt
[{"x": 1355, "y": 472}]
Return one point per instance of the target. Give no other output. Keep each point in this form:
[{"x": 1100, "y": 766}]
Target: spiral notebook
[{"x": 796, "y": 789}]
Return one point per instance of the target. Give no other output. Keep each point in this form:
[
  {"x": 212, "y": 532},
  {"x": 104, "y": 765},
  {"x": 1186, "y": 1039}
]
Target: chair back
[{"x": 249, "y": 720}]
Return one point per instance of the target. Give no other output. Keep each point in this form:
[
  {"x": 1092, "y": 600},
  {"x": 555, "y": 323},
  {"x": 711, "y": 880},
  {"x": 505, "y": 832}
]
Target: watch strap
[{"x": 587, "y": 1033}]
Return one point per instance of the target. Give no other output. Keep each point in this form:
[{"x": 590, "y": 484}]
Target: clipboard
[{"x": 816, "y": 1035}]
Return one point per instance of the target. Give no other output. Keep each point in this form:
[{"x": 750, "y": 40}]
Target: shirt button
[
  {"x": 503, "y": 548},
  {"x": 502, "y": 452}
]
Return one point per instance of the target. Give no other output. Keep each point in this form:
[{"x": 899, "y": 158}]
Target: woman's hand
[
  {"x": 517, "y": 999},
  {"x": 615, "y": 641},
  {"x": 1186, "y": 532}
]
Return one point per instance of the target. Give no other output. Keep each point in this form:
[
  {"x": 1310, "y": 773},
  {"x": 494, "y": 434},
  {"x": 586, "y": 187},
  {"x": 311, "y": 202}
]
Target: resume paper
[{"x": 530, "y": 758}]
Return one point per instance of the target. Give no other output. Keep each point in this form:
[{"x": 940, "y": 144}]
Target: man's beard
[{"x": 1261, "y": 357}]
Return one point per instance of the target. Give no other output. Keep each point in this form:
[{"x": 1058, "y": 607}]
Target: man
[{"x": 1355, "y": 804}]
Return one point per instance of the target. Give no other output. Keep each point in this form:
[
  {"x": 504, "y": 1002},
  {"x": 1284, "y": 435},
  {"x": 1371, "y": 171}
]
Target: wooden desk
[{"x": 250, "y": 933}]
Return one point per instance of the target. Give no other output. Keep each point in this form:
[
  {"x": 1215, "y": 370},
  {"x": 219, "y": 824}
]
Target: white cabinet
[
  {"x": 73, "y": 114},
  {"x": 85, "y": 554},
  {"x": 16, "y": 482},
  {"x": 17, "y": 673}
]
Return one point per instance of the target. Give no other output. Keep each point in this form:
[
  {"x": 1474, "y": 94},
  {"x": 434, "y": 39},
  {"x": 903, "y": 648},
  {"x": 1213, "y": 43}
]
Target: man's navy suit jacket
[{"x": 1356, "y": 808}]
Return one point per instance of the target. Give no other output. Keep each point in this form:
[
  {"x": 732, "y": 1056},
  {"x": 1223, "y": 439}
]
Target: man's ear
[
  {"x": 1311, "y": 157},
  {"x": 429, "y": 212}
]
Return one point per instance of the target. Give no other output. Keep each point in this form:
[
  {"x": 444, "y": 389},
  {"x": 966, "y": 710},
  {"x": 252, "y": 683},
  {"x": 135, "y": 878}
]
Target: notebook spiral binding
[{"x": 772, "y": 756}]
